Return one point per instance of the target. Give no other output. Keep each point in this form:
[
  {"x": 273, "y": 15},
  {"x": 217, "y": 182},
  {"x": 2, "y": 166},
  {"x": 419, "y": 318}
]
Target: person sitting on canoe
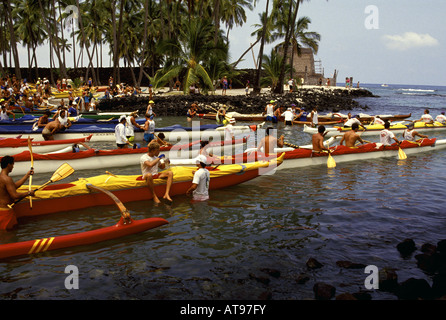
[
  {"x": 160, "y": 140},
  {"x": 426, "y": 118},
  {"x": 9, "y": 194},
  {"x": 351, "y": 120},
  {"x": 441, "y": 118},
  {"x": 150, "y": 163},
  {"x": 269, "y": 142},
  {"x": 120, "y": 134},
  {"x": 350, "y": 137},
  {"x": 410, "y": 134},
  {"x": 200, "y": 182},
  {"x": 386, "y": 136},
  {"x": 378, "y": 120},
  {"x": 318, "y": 140}
]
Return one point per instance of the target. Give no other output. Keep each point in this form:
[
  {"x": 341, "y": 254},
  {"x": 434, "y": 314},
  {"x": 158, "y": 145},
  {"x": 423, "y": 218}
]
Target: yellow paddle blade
[
  {"x": 331, "y": 163},
  {"x": 62, "y": 172},
  {"x": 124, "y": 212},
  {"x": 401, "y": 154}
]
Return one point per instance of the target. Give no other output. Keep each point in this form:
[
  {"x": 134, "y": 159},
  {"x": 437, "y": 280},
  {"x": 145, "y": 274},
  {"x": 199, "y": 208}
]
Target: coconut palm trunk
[{"x": 262, "y": 45}]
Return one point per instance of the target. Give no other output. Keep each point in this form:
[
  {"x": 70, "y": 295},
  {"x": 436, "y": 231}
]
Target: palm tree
[
  {"x": 272, "y": 67},
  {"x": 12, "y": 37},
  {"x": 193, "y": 49},
  {"x": 257, "y": 87}
]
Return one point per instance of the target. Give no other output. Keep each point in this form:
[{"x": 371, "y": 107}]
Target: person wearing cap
[
  {"x": 131, "y": 124},
  {"x": 229, "y": 130},
  {"x": 221, "y": 114},
  {"x": 269, "y": 111},
  {"x": 441, "y": 118},
  {"x": 200, "y": 183},
  {"x": 288, "y": 116},
  {"x": 149, "y": 128},
  {"x": 410, "y": 134},
  {"x": 150, "y": 163},
  {"x": 386, "y": 136},
  {"x": 150, "y": 108},
  {"x": 72, "y": 110},
  {"x": 120, "y": 134}
]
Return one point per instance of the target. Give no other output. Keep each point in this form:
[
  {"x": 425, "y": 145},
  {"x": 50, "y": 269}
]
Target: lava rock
[
  {"x": 302, "y": 279},
  {"x": 439, "y": 285},
  {"x": 350, "y": 265},
  {"x": 406, "y": 247},
  {"x": 314, "y": 264},
  {"x": 345, "y": 296},
  {"x": 413, "y": 289},
  {"x": 323, "y": 291},
  {"x": 441, "y": 246},
  {"x": 388, "y": 280}
]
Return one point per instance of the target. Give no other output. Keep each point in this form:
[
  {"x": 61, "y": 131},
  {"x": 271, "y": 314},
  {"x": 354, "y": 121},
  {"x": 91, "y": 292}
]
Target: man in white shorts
[
  {"x": 200, "y": 182},
  {"x": 150, "y": 162}
]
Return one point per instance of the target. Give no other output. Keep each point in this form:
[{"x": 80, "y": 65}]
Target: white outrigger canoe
[
  {"x": 103, "y": 159},
  {"x": 304, "y": 156},
  {"x": 11, "y": 146},
  {"x": 374, "y": 130},
  {"x": 173, "y": 134}
]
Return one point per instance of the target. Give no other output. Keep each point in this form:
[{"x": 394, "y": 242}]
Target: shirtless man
[
  {"x": 50, "y": 129},
  {"x": 269, "y": 142},
  {"x": 150, "y": 162},
  {"x": 318, "y": 140},
  {"x": 9, "y": 194},
  {"x": 351, "y": 136},
  {"x": 43, "y": 120}
]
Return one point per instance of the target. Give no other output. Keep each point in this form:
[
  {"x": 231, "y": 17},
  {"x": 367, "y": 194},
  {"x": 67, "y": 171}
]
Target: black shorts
[{"x": 288, "y": 123}]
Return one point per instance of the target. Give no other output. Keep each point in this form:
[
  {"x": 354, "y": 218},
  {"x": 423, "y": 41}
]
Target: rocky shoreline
[{"x": 326, "y": 100}]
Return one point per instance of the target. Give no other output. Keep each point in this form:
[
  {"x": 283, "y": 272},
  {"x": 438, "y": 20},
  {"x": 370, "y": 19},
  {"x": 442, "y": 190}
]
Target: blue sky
[{"x": 408, "y": 46}]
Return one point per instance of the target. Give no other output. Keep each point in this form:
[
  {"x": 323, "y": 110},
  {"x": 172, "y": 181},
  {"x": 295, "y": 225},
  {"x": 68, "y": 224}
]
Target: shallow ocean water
[{"x": 225, "y": 248}]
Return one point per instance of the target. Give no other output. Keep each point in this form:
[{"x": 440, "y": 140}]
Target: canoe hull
[
  {"x": 75, "y": 196},
  {"x": 118, "y": 230}
]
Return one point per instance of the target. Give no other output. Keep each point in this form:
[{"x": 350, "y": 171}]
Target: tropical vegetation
[{"x": 159, "y": 40}]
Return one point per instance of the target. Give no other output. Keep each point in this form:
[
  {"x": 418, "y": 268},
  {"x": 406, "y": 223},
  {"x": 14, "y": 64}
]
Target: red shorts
[{"x": 7, "y": 218}]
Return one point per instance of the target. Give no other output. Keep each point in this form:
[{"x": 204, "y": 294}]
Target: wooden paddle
[
  {"x": 124, "y": 212},
  {"x": 32, "y": 167},
  {"x": 62, "y": 172}
]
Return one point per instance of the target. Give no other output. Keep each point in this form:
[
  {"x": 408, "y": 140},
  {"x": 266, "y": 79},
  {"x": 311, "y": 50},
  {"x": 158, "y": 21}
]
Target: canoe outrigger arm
[{"x": 125, "y": 214}]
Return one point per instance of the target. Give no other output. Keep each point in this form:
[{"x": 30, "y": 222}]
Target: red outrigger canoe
[{"x": 122, "y": 228}]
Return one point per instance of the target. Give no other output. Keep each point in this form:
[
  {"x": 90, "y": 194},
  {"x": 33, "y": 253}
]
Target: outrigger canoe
[
  {"x": 12, "y": 146},
  {"x": 174, "y": 133},
  {"x": 373, "y": 130},
  {"x": 365, "y": 118},
  {"x": 76, "y": 195},
  {"x": 260, "y": 117},
  {"x": 96, "y": 159},
  {"x": 304, "y": 156},
  {"x": 122, "y": 228}
]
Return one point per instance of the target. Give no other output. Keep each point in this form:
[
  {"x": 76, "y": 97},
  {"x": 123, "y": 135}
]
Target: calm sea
[{"x": 225, "y": 248}]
